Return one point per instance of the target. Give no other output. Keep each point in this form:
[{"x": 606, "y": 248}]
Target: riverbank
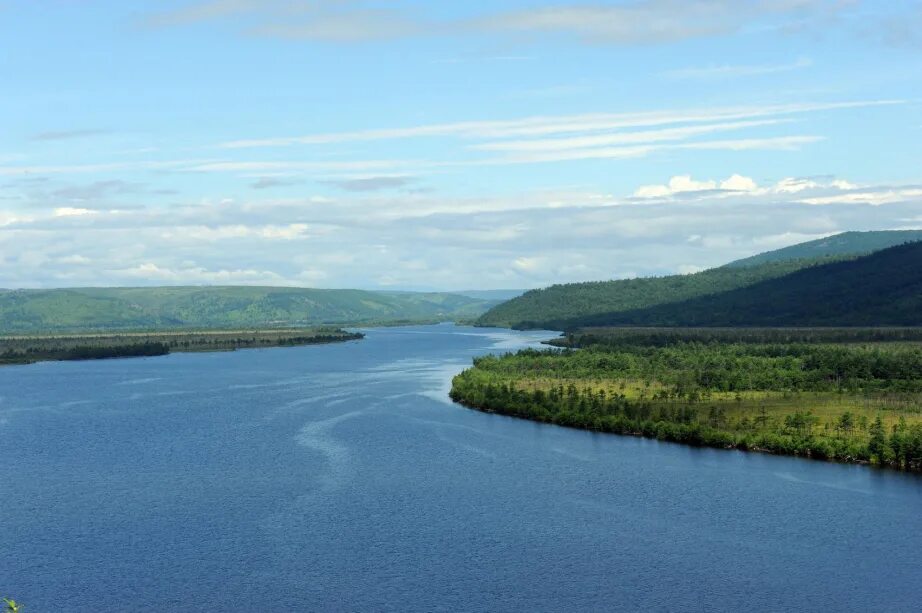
[
  {"x": 846, "y": 402},
  {"x": 27, "y": 349}
]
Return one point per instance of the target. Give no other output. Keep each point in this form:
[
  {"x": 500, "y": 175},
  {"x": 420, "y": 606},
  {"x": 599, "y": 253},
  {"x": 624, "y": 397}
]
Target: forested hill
[
  {"x": 559, "y": 306},
  {"x": 881, "y": 289},
  {"x": 29, "y": 311},
  {"x": 841, "y": 245},
  {"x": 555, "y": 307}
]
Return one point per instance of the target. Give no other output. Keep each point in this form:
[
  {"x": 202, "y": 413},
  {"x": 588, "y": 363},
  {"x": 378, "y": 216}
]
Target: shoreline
[
  {"x": 24, "y": 349},
  {"x": 673, "y": 441}
]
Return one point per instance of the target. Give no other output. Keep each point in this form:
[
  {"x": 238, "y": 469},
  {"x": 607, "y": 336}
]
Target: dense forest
[
  {"x": 556, "y": 307},
  {"x": 81, "y": 309},
  {"x": 881, "y": 289},
  {"x": 665, "y": 336},
  {"x": 662, "y": 301},
  {"x": 39, "y": 348},
  {"x": 847, "y": 402}
]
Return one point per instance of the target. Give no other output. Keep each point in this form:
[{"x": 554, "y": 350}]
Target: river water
[{"x": 340, "y": 477}]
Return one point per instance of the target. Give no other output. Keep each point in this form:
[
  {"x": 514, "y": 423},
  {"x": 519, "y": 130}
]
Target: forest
[
  {"x": 39, "y": 348},
  {"x": 815, "y": 288},
  {"x": 41, "y": 311},
  {"x": 848, "y": 401}
]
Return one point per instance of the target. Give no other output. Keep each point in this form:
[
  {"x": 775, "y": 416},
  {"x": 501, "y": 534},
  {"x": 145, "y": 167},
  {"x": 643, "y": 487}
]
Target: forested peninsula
[
  {"x": 845, "y": 395},
  {"x": 26, "y": 349}
]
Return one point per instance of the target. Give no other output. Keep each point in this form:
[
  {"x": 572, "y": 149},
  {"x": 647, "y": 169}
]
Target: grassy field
[
  {"x": 827, "y": 407},
  {"x": 24, "y": 349}
]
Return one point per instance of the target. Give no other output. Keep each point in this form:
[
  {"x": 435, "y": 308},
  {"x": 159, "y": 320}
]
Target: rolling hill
[
  {"x": 847, "y": 244},
  {"x": 569, "y": 305},
  {"x": 881, "y": 289},
  {"x": 32, "y": 311}
]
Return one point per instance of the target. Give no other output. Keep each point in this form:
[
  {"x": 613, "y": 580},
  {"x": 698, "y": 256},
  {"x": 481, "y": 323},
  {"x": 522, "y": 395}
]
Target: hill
[
  {"x": 847, "y": 244},
  {"x": 556, "y": 306},
  {"x": 881, "y": 289},
  {"x": 559, "y": 306},
  {"x": 32, "y": 311}
]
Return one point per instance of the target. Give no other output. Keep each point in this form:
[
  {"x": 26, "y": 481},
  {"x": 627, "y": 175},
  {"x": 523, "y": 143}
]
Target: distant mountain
[
  {"x": 847, "y": 244},
  {"x": 564, "y": 306},
  {"x": 491, "y": 294},
  {"x": 881, "y": 289},
  {"x": 31, "y": 311}
]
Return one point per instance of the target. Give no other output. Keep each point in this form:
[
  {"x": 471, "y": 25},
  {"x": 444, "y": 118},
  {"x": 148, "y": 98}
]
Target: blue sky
[{"x": 446, "y": 145}]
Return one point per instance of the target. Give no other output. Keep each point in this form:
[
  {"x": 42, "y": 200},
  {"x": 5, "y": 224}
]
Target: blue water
[{"x": 340, "y": 477}]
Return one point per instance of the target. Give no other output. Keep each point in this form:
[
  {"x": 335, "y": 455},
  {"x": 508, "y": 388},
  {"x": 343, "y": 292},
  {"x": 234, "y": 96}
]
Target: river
[{"x": 341, "y": 478}]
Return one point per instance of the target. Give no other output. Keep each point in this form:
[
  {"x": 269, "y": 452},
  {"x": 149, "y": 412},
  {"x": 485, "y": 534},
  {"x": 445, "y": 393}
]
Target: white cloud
[
  {"x": 676, "y": 185},
  {"x": 729, "y": 71},
  {"x": 872, "y": 197},
  {"x": 560, "y": 124},
  {"x": 738, "y": 183},
  {"x": 149, "y": 271},
  {"x": 67, "y": 211},
  {"x": 657, "y": 21},
  {"x": 621, "y": 138}
]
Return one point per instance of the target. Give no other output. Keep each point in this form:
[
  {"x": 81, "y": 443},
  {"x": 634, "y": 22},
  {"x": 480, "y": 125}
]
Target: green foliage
[
  {"x": 715, "y": 394},
  {"x": 827, "y": 284},
  {"x": 558, "y": 306},
  {"x": 27, "y": 349},
  {"x": 12, "y": 606},
  {"x": 667, "y": 336},
  {"x": 881, "y": 289},
  {"x": 25, "y": 311}
]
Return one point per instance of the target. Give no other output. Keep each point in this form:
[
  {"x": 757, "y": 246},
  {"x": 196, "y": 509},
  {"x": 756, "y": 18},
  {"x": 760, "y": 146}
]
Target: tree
[{"x": 877, "y": 445}]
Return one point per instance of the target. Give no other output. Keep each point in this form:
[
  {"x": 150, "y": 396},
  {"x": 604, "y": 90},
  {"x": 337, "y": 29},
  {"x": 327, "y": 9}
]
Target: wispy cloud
[
  {"x": 641, "y": 22},
  {"x": 371, "y": 184},
  {"x": 730, "y": 71},
  {"x": 67, "y": 134},
  {"x": 622, "y": 138},
  {"x": 656, "y": 21},
  {"x": 354, "y": 26},
  {"x": 315, "y": 20},
  {"x": 550, "y": 125},
  {"x": 271, "y": 182}
]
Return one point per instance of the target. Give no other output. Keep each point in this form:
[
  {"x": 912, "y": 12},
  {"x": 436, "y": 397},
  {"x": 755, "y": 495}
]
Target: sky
[{"x": 441, "y": 145}]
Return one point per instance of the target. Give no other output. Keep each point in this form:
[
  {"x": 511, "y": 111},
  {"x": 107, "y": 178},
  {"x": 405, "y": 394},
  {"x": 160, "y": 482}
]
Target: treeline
[
  {"x": 28, "y": 349},
  {"x": 901, "y": 448},
  {"x": 82, "y": 352},
  {"x": 772, "y": 397},
  {"x": 692, "y": 370},
  {"x": 662, "y": 337}
]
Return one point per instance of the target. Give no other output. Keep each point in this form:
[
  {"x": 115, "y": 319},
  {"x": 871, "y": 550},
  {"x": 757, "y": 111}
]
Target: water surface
[{"x": 340, "y": 477}]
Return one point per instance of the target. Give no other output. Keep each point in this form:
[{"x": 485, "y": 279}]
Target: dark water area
[{"x": 341, "y": 478}]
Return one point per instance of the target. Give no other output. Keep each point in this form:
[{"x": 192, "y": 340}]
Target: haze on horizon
[{"x": 423, "y": 145}]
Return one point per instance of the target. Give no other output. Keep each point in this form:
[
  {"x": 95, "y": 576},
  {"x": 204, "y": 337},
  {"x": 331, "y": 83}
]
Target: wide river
[{"x": 340, "y": 477}]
